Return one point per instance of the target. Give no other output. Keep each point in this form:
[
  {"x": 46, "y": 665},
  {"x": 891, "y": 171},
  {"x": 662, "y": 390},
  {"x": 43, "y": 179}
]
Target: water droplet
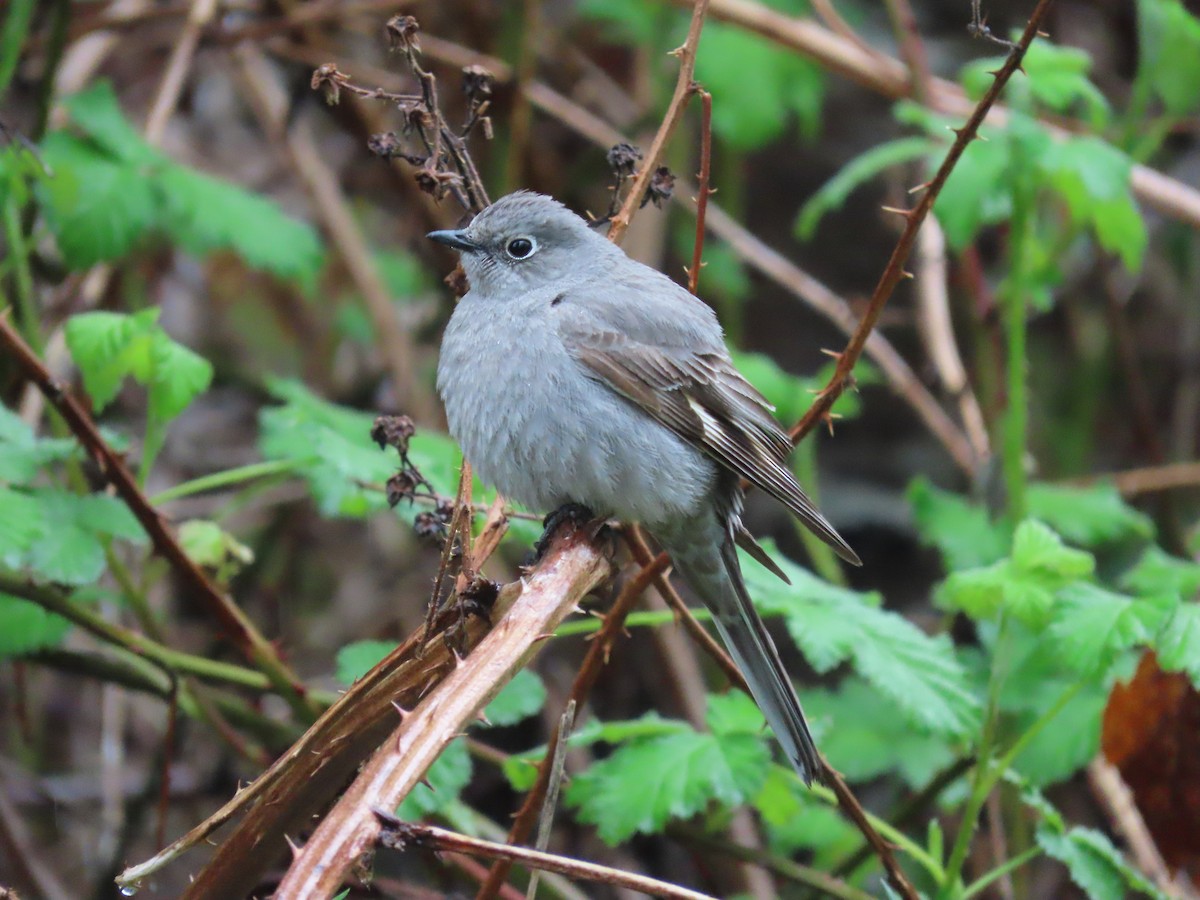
[{"x": 129, "y": 890}]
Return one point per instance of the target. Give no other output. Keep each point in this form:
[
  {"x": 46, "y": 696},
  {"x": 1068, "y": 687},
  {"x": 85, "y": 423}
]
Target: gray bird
[{"x": 572, "y": 374}]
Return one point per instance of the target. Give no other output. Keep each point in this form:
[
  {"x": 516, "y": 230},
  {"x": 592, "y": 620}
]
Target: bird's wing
[{"x": 701, "y": 397}]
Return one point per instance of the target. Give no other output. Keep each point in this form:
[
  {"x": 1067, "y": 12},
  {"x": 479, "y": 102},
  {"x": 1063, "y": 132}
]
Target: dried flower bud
[
  {"x": 430, "y": 527},
  {"x": 386, "y": 145},
  {"x": 661, "y": 187},
  {"x": 328, "y": 80},
  {"x": 393, "y": 431},
  {"x": 402, "y": 32},
  {"x": 416, "y": 116},
  {"x": 623, "y": 159},
  {"x": 478, "y": 83},
  {"x": 402, "y": 486},
  {"x": 457, "y": 282}
]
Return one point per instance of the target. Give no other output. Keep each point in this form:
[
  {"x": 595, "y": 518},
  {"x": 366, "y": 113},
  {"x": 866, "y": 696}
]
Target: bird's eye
[{"x": 521, "y": 247}]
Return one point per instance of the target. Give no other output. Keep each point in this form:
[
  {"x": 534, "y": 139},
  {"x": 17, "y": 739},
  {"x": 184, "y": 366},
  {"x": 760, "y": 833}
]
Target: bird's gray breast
[{"x": 540, "y": 428}]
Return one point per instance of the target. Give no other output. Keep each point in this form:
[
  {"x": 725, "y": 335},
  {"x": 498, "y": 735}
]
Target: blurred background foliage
[{"x": 209, "y": 254}]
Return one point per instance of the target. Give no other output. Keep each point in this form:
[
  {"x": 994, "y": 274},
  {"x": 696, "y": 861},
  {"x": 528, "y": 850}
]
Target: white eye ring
[{"x": 521, "y": 247}]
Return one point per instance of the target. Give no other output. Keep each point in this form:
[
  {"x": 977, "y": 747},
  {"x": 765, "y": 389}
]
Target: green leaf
[
  {"x": 449, "y": 774},
  {"x": 357, "y": 659},
  {"x": 521, "y": 698},
  {"x": 1091, "y": 625},
  {"x": 109, "y": 346},
  {"x": 97, "y": 113},
  {"x": 646, "y": 783},
  {"x": 25, "y": 627},
  {"x": 1071, "y": 741},
  {"x": 204, "y": 214},
  {"x": 335, "y": 444},
  {"x": 1037, "y": 550},
  {"x": 919, "y": 673},
  {"x": 1094, "y": 863},
  {"x": 21, "y": 526},
  {"x": 961, "y": 531},
  {"x": 756, "y": 87},
  {"x": 23, "y": 454},
  {"x": 1178, "y": 642},
  {"x": 71, "y": 550},
  {"x": 1169, "y": 54},
  {"x": 976, "y": 193},
  {"x": 863, "y": 738},
  {"x": 833, "y": 193},
  {"x": 1157, "y": 572},
  {"x": 733, "y": 713},
  {"x": 208, "y": 544},
  {"x": 1089, "y": 516},
  {"x": 798, "y": 821},
  {"x": 97, "y": 206},
  {"x": 177, "y": 377},
  {"x": 1058, "y": 78}
]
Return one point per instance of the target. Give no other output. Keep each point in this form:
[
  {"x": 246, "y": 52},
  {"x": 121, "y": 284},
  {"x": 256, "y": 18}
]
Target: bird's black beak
[{"x": 456, "y": 239}]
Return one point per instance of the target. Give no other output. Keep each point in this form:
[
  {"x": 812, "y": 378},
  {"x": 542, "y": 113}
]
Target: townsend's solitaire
[{"x": 572, "y": 374}]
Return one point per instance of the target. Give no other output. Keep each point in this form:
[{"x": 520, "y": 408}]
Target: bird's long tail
[{"x": 708, "y": 562}]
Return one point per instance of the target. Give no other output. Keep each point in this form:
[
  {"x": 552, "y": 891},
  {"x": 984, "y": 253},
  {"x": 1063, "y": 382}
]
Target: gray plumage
[{"x": 573, "y": 374}]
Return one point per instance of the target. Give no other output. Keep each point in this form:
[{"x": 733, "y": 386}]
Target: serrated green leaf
[
  {"x": 976, "y": 193},
  {"x": 203, "y": 214},
  {"x": 98, "y": 207},
  {"x": 177, "y": 377},
  {"x": 1178, "y": 642},
  {"x": 863, "y": 738},
  {"x": 833, "y": 193},
  {"x": 1092, "y": 625},
  {"x": 357, "y": 659},
  {"x": 21, "y": 526},
  {"x": 521, "y": 698},
  {"x": 833, "y": 625},
  {"x": 70, "y": 549},
  {"x": 961, "y": 531},
  {"x": 797, "y": 821},
  {"x": 733, "y": 713},
  {"x": 1087, "y": 516},
  {"x": 1157, "y": 572},
  {"x": 1037, "y": 550},
  {"x": 23, "y": 454},
  {"x": 1094, "y": 863},
  {"x": 645, "y": 784},
  {"x": 335, "y": 443},
  {"x": 1058, "y": 78},
  {"x": 1060, "y": 751},
  {"x": 1169, "y": 54},
  {"x": 97, "y": 113},
  {"x": 756, "y": 87},
  {"x": 106, "y": 347},
  {"x": 25, "y": 627},
  {"x": 449, "y": 774}
]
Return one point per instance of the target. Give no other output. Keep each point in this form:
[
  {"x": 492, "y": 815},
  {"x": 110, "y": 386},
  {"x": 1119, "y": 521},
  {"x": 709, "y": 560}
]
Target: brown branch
[
  {"x": 642, "y": 555},
  {"x": 894, "y": 272},
  {"x": 200, "y": 13},
  {"x": 888, "y": 76},
  {"x": 1148, "y": 480},
  {"x": 581, "y": 688},
  {"x": 684, "y": 88},
  {"x": 703, "y": 191},
  {"x": 219, "y": 605},
  {"x": 402, "y": 835},
  {"x": 572, "y": 568}
]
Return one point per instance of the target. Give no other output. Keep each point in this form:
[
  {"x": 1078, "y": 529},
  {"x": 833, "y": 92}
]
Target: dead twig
[
  {"x": 684, "y": 88},
  {"x": 402, "y": 835},
  {"x": 112, "y": 468},
  {"x": 572, "y": 568},
  {"x": 894, "y": 272},
  {"x": 550, "y": 804},
  {"x": 581, "y": 688},
  {"x": 703, "y": 191}
]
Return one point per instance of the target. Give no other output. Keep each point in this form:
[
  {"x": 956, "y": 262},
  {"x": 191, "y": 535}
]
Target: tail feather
[{"x": 717, "y": 577}]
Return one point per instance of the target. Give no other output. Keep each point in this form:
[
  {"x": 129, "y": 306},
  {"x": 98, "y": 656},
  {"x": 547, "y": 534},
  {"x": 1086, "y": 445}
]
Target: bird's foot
[{"x": 577, "y": 514}]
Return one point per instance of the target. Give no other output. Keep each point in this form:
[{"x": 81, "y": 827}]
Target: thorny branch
[
  {"x": 402, "y": 835},
  {"x": 894, "y": 272},
  {"x": 112, "y": 467}
]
